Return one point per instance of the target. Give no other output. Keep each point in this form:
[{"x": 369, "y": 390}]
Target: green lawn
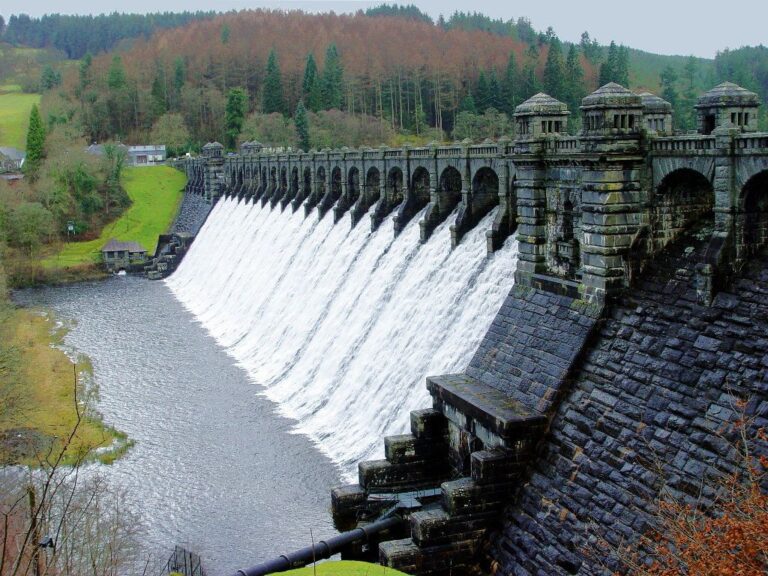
[
  {"x": 345, "y": 568},
  {"x": 14, "y": 116},
  {"x": 156, "y": 192}
]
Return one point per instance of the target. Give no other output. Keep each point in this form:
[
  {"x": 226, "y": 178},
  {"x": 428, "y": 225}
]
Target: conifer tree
[
  {"x": 609, "y": 67},
  {"x": 332, "y": 80},
  {"x": 302, "y": 126},
  {"x": 310, "y": 86},
  {"x": 35, "y": 143},
  {"x": 494, "y": 91},
  {"x": 482, "y": 93},
  {"x": 530, "y": 83},
  {"x": 574, "y": 81},
  {"x": 669, "y": 91},
  {"x": 116, "y": 76},
  {"x": 510, "y": 88},
  {"x": 272, "y": 98},
  {"x": 688, "y": 112},
  {"x": 468, "y": 104},
  {"x": 554, "y": 73},
  {"x": 622, "y": 67},
  {"x": 235, "y": 115}
]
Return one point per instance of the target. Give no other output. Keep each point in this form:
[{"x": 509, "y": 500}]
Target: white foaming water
[{"x": 341, "y": 326}]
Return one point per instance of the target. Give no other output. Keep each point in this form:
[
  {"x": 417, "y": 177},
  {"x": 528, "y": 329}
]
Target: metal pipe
[{"x": 320, "y": 551}]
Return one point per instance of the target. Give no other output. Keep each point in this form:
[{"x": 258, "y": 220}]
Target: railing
[
  {"x": 752, "y": 142},
  {"x": 452, "y": 152},
  {"x": 683, "y": 144},
  {"x": 475, "y": 151}
]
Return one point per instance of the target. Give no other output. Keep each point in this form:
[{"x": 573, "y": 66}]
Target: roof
[
  {"x": 654, "y": 104},
  {"x": 213, "y": 145},
  {"x": 156, "y": 148},
  {"x": 118, "y": 246},
  {"x": 728, "y": 94},
  {"x": 612, "y": 95},
  {"x": 98, "y": 149},
  {"x": 13, "y": 153},
  {"x": 541, "y": 104}
]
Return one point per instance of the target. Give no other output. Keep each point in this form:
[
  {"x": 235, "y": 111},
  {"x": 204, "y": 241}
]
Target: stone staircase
[{"x": 449, "y": 477}]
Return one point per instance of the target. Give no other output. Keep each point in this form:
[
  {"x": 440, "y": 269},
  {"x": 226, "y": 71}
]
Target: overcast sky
[{"x": 700, "y": 27}]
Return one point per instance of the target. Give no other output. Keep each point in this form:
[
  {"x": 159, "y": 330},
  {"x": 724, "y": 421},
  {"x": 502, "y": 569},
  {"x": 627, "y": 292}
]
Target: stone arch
[
  {"x": 335, "y": 183},
  {"x": 283, "y": 180},
  {"x": 272, "y": 180},
  {"x": 394, "y": 187},
  {"x": 683, "y": 198},
  {"x": 449, "y": 190},
  {"x": 753, "y": 217},
  {"x": 307, "y": 183},
  {"x": 294, "y": 181},
  {"x": 320, "y": 182},
  {"x": 353, "y": 185},
  {"x": 485, "y": 192},
  {"x": 420, "y": 182},
  {"x": 373, "y": 185}
]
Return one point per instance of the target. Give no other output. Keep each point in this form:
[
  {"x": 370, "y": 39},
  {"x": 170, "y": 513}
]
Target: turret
[
  {"x": 213, "y": 150},
  {"x": 657, "y": 114},
  {"x": 727, "y": 105},
  {"x": 612, "y": 111},
  {"x": 539, "y": 116}
]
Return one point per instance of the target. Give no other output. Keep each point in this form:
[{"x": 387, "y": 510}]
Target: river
[{"x": 214, "y": 467}]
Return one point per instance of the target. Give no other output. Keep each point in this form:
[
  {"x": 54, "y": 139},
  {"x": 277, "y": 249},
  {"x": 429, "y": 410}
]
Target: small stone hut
[{"x": 122, "y": 255}]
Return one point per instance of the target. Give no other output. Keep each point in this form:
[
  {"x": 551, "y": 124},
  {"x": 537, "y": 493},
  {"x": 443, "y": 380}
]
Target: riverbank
[{"x": 45, "y": 396}]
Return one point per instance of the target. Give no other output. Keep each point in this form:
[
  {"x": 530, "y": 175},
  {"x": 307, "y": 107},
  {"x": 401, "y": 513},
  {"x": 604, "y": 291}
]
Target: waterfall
[{"x": 340, "y": 326}]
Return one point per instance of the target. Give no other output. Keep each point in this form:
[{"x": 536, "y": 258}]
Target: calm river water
[{"x": 214, "y": 468}]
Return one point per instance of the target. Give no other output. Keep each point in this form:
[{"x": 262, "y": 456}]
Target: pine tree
[
  {"x": 688, "y": 113},
  {"x": 310, "y": 86},
  {"x": 622, "y": 67},
  {"x": 574, "y": 81},
  {"x": 669, "y": 91},
  {"x": 609, "y": 67},
  {"x": 530, "y": 83},
  {"x": 35, "y": 143},
  {"x": 302, "y": 126},
  {"x": 494, "y": 91},
  {"x": 272, "y": 98},
  {"x": 482, "y": 93},
  {"x": 332, "y": 80},
  {"x": 468, "y": 104},
  {"x": 235, "y": 115},
  {"x": 116, "y": 77},
  {"x": 554, "y": 73},
  {"x": 511, "y": 86}
]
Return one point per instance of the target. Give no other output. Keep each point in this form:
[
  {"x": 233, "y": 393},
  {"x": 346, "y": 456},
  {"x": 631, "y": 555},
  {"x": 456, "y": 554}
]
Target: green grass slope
[
  {"x": 155, "y": 192},
  {"x": 14, "y": 115},
  {"x": 344, "y": 568}
]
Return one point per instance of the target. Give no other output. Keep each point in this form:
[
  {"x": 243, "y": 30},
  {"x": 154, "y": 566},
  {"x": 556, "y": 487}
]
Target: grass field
[
  {"x": 344, "y": 568},
  {"x": 38, "y": 394},
  {"x": 156, "y": 192},
  {"x": 14, "y": 115}
]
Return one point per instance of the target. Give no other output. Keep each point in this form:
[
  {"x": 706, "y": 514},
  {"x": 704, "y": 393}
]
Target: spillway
[{"x": 339, "y": 326}]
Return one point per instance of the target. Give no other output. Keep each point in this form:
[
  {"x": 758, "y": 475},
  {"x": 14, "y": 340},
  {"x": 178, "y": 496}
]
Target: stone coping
[{"x": 492, "y": 408}]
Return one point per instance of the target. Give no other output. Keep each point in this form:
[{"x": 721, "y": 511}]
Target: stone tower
[
  {"x": 727, "y": 105},
  {"x": 540, "y": 115},
  {"x": 657, "y": 114}
]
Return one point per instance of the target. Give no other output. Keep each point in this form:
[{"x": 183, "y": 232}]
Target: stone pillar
[
  {"x": 504, "y": 220},
  {"x": 531, "y": 224},
  {"x": 612, "y": 205}
]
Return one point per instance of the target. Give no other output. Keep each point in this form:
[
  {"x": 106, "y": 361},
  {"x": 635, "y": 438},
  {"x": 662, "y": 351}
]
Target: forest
[{"x": 387, "y": 75}]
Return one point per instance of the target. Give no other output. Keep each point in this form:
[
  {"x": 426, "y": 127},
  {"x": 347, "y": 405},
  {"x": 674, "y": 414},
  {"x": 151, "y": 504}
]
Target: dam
[{"x": 587, "y": 313}]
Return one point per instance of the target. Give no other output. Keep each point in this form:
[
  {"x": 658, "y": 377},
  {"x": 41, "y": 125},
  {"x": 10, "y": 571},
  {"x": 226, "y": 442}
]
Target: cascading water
[{"x": 340, "y": 326}]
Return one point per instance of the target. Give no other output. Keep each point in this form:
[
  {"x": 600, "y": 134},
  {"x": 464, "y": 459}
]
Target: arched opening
[
  {"x": 263, "y": 181},
  {"x": 449, "y": 190},
  {"x": 283, "y": 181},
  {"x": 294, "y": 181},
  {"x": 273, "y": 179},
  {"x": 307, "y": 182},
  {"x": 755, "y": 213},
  {"x": 394, "y": 189},
  {"x": 485, "y": 192},
  {"x": 420, "y": 188},
  {"x": 684, "y": 198},
  {"x": 335, "y": 184},
  {"x": 320, "y": 183},
  {"x": 372, "y": 185},
  {"x": 353, "y": 185}
]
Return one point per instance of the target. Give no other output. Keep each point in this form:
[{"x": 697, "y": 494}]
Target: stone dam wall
[{"x": 610, "y": 378}]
